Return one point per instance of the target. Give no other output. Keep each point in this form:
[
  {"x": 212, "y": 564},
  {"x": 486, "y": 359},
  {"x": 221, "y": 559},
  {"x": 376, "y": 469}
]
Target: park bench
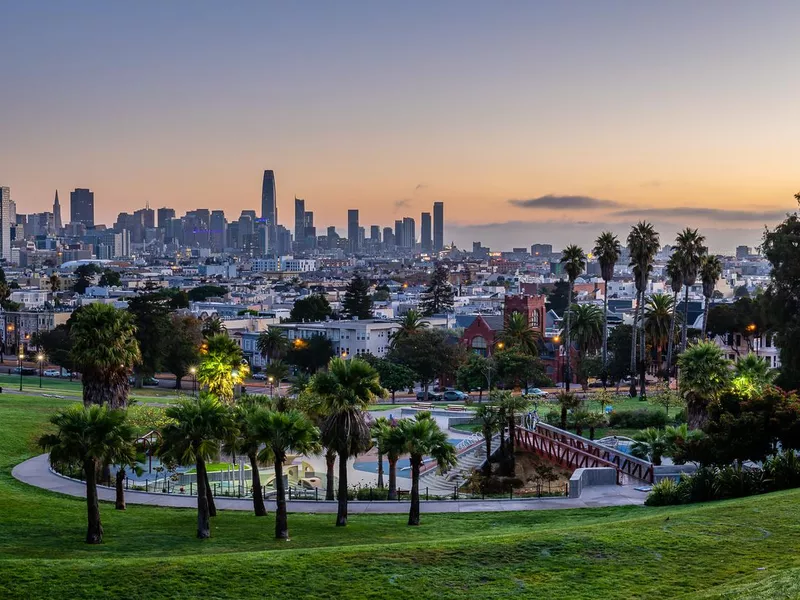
[
  {"x": 457, "y": 407},
  {"x": 423, "y": 405}
]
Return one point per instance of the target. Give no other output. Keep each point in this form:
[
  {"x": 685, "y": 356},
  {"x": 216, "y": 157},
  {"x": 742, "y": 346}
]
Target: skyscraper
[
  {"x": 57, "y": 214},
  {"x": 164, "y": 216},
  {"x": 352, "y": 230},
  {"x": 269, "y": 203},
  {"x": 409, "y": 233},
  {"x": 81, "y": 206},
  {"x": 438, "y": 226},
  {"x": 425, "y": 241},
  {"x": 8, "y": 218},
  {"x": 218, "y": 230},
  {"x": 398, "y": 233},
  {"x": 375, "y": 234},
  {"x": 299, "y": 222}
]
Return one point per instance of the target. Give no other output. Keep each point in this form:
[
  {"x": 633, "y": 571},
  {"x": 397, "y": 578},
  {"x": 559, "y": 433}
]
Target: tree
[
  {"x": 182, "y": 349},
  {"x": 666, "y": 398},
  {"x": 518, "y": 370},
  {"x": 110, "y": 278},
  {"x": 310, "y": 355},
  {"x": 567, "y": 401},
  {"x": 753, "y": 372},
  {"x": 379, "y": 430},
  {"x": 272, "y": 344},
  {"x": 55, "y": 282},
  {"x": 518, "y": 334},
  {"x": 213, "y": 326},
  {"x": 512, "y": 407},
  {"x": 607, "y": 250},
  {"x": 424, "y": 438},
  {"x": 222, "y": 367},
  {"x": 204, "y": 292},
  {"x": 619, "y": 346},
  {"x": 278, "y": 370},
  {"x": 710, "y": 272},
  {"x": 438, "y": 297},
  {"x": 658, "y": 313},
  {"x": 85, "y": 275},
  {"x": 89, "y": 436},
  {"x": 643, "y": 244},
  {"x": 104, "y": 350},
  {"x": 690, "y": 248},
  {"x": 558, "y": 298},
  {"x": 282, "y": 432},
  {"x": 486, "y": 417},
  {"x": 152, "y": 317},
  {"x": 649, "y": 444},
  {"x": 429, "y": 354},
  {"x": 57, "y": 346},
  {"x": 393, "y": 445},
  {"x": 472, "y": 375},
  {"x": 674, "y": 271},
  {"x": 704, "y": 373},
  {"x": 346, "y": 389},
  {"x": 741, "y": 292},
  {"x": 394, "y": 377},
  {"x": 357, "y": 303},
  {"x": 193, "y": 436},
  {"x": 245, "y": 439},
  {"x": 411, "y": 323},
  {"x": 309, "y": 309},
  {"x": 594, "y": 420},
  {"x": 587, "y": 332},
  {"x": 574, "y": 261}
]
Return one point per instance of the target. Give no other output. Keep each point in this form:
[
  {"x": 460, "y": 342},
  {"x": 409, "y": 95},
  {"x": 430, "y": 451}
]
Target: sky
[{"x": 535, "y": 122}]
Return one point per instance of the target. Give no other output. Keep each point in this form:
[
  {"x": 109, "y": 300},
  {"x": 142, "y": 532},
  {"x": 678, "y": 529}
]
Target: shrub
[
  {"x": 664, "y": 493},
  {"x": 736, "y": 482},
  {"x": 640, "y": 418},
  {"x": 680, "y": 417},
  {"x": 783, "y": 470},
  {"x": 699, "y": 486},
  {"x": 375, "y": 493}
]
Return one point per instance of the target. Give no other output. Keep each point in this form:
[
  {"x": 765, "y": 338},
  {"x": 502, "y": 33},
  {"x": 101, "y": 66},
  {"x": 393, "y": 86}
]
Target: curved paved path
[{"x": 36, "y": 472}]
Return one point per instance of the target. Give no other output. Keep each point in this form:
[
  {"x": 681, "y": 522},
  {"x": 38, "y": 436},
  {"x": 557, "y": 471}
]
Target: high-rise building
[
  {"x": 375, "y": 234},
  {"x": 398, "y": 233},
  {"x": 299, "y": 222},
  {"x": 742, "y": 252},
  {"x": 218, "y": 230},
  {"x": 388, "y": 238},
  {"x": 425, "y": 240},
  {"x": 309, "y": 231},
  {"x": 352, "y": 230},
  {"x": 57, "y": 214},
  {"x": 541, "y": 250},
  {"x": 164, "y": 215},
  {"x": 8, "y": 217},
  {"x": 269, "y": 203},
  {"x": 148, "y": 217},
  {"x": 438, "y": 226},
  {"x": 81, "y": 206},
  {"x": 409, "y": 233}
]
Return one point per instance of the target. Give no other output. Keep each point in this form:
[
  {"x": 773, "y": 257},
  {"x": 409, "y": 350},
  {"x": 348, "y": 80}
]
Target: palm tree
[
  {"x": 245, "y": 441},
  {"x": 278, "y": 370},
  {"x": 674, "y": 271},
  {"x": 643, "y": 244},
  {"x": 649, "y": 444},
  {"x": 587, "y": 331},
  {"x": 704, "y": 373},
  {"x": 90, "y": 436},
  {"x": 394, "y": 446},
  {"x": 607, "y": 250},
  {"x": 424, "y": 438},
  {"x": 568, "y": 401},
  {"x": 104, "y": 351},
  {"x": 513, "y": 406},
  {"x": 574, "y": 261},
  {"x": 282, "y": 432},
  {"x": 193, "y": 436},
  {"x": 222, "y": 367},
  {"x": 518, "y": 333},
  {"x": 272, "y": 344},
  {"x": 689, "y": 244},
  {"x": 346, "y": 389},
  {"x": 486, "y": 417},
  {"x": 658, "y": 313},
  {"x": 411, "y": 323},
  {"x": 213, "y": 326},
  {"x": 755, "y": 371},
  {"x": 595, "y": 420},
  {"x": 710, "y": 272},
  {"x": 380, "y": 429}
]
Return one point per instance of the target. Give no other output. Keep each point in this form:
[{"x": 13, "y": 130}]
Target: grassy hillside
[{"x": 735, "y": 549}]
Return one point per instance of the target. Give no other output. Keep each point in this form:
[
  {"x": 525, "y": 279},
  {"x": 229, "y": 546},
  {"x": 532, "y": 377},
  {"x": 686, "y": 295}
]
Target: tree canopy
[
  {"x": 438, "y": 296},
  {"x": 311, "y": 308},
  {"x": 357, "y": 301}
]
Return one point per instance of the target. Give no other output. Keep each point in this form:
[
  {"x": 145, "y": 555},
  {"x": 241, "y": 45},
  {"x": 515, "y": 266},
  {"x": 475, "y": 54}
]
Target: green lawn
[{"x": 706, "y": 551}]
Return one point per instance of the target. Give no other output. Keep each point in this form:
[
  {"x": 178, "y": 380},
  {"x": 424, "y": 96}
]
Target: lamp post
[
  {"x": 20, "y": 357},
  {"x": 559, "y": 371},
  {"x": 271, "y": 380},
  {"x": 40, "y": 358},
  {"x": 193, "y": 371}
]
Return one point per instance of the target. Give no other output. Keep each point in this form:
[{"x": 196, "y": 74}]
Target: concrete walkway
[{"x": 36, "y": 472}]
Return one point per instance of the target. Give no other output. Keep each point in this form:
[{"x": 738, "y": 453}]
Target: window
[{"x": 479, "y": 345}]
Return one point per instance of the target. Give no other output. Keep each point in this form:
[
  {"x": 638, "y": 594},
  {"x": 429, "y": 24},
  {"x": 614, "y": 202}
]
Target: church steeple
[{"x": 57, "y": 214}]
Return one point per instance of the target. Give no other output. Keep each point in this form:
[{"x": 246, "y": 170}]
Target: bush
[
  {"x": 736, "y": 482},
  {"x": 553, "y": 417},
  {"x": 664, "y": 493},
  {"x": 641, "y": 418},
  {"x": 699, "y": 486},
  {"x": 375, "y": 493},
  {"x": 783, "y": 470},
  {"x": 680, "y": 417}
]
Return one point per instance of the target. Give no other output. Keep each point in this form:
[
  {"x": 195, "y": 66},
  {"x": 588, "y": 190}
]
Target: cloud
[
  {"x": 420, "y": 186},
  {"x": 402, "y": 203},
  {"x": 716, "y": 214},
  {"x": 552, "y": 201},
  {"x": 653, "y": 183}
]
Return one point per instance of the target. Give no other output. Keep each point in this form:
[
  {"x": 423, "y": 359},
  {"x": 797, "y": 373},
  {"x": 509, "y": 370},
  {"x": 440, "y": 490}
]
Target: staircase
[{"x": 468, "y": 461}]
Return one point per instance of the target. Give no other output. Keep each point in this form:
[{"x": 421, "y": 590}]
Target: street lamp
[
  {"x": 271, "y": 380},
  {"x": 193, "y": 371},
  {"x": 20, "y": 357},
  {"x": 40, "y": 358}
]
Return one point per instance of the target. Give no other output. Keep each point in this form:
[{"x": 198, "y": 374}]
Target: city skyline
[{"x": 586, "y": 117}]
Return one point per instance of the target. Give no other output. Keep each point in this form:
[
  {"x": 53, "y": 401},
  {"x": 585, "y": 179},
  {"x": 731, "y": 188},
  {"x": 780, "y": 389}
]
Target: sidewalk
[{"x": 36, "y": 472}]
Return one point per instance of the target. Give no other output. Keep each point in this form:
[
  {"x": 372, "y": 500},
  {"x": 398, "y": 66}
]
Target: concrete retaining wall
[
  {"x": 583, "y": 478},
  {"x": 672, "y": 472}
]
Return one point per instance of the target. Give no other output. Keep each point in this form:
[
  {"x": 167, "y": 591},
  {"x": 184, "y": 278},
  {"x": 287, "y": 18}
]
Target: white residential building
[
  {"x": 30, "y": 298},
  {"x": 287, "y": 264},
  {"x": 736, "y": 346}
]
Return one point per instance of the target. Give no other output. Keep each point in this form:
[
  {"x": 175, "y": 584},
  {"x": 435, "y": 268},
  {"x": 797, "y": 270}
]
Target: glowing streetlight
[
  {"x": 271, "y": 380},
  {"x": 40, "y": 358},
  {"x": 193, "y": 371},
  {"x": 20, "y": 357}
]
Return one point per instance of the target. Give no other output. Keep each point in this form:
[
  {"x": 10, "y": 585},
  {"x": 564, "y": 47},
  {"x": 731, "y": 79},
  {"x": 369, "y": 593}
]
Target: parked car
[
  {"x": 52, "y": 372},
  {"x": 536, "y": 393},
  {"x": 25, "y": 370},
  {"x": 432, "y": 396},
  {"x": 260, "y": 376},
  {"x": 455, "y": 396},
  {"x": 152, "y": 381}
]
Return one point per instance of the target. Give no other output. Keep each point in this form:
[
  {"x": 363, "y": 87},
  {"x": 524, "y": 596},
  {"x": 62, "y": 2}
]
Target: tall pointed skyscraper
[{"x": 57, "y": 214}]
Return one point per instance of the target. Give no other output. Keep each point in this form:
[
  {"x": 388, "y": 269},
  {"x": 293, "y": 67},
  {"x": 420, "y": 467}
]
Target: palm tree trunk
[
  {"x": 380, "y": 469},
  {"x": 487, "y": 437},
  {"x": 258, "y": 495},
  {"x": 511, "y": 465},
  {"x": 94, "y": 530},
  {"x": 281, "y": 522},
  {"x": 568, "y": 339},
  {"x": 643, "y": 348},
  {"x": 203, "y": 514},
  {"x": 392, "y": 478},
  {"x": 341, "y": 513},
  {"x": 671, "y": 341},
  {"x": 685, "y": 318},
  {"x": 178, "y": 382},
  {"x": 634, "y": 333},
  {"x": 413, "y": 514},
  {"x": 330, "y": 461},
  {"x": 212, "y": 506},
  {"x": 605, "y": 332},
  {"x": 705, "y": 316},
  {"x": 120, "y": 490}
]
